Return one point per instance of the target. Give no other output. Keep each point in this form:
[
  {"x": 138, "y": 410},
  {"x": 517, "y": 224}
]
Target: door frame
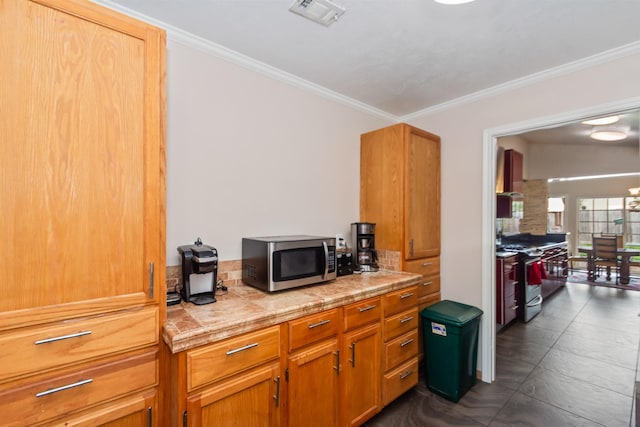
[{"x": 489, "y": 158}]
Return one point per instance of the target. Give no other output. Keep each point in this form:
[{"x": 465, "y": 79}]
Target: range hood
[{"x": 509, "y": 173}]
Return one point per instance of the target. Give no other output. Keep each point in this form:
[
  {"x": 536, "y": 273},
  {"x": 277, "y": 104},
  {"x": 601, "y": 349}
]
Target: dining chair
[
  {"x": 605, "y": 254},
  {"x": 619, "y": 237}
]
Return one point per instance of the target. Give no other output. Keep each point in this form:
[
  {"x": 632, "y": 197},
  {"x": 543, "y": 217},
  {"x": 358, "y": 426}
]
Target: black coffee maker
[
  {"x": 199, "y": 273},
  {"x": 363, "y": 243}
]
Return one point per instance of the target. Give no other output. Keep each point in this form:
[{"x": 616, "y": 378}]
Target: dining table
[{"x": 625, "y": 255}]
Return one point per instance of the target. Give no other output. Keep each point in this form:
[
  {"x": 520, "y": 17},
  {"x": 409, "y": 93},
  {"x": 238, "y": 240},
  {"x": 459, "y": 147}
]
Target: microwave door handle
[{"x": 326, "y": 260}]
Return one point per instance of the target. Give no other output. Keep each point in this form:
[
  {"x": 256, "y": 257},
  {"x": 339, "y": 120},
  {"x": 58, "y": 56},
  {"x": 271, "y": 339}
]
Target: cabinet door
[
  {"x": 133, "y": 411},
  {"x": 251, "y": 399},
  {"x": 313, "y": 386},
  {"x": 422, "y": 195},
  {"x": 360, "y": 374},
  {"x": 81, "y": 175}
]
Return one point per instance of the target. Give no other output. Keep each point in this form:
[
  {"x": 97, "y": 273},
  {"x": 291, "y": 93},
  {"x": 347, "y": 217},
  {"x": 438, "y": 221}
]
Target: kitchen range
[{"x": 541, "y": 268}]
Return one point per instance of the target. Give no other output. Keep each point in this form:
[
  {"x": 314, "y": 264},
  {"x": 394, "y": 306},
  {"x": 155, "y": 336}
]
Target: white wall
[
  {"x": 251, "y": 156},
  {"x": 563, "y": 161},
  {"x": 461, "y": 129}
]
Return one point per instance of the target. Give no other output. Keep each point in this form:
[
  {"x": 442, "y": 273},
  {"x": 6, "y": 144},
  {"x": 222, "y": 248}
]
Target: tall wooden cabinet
[
  {"x": 400, "y": 193},
  {"x": 82, "y": 183}
]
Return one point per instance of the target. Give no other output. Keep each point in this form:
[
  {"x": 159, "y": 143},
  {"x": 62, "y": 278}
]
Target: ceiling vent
[{"x": 323, "y": 12}]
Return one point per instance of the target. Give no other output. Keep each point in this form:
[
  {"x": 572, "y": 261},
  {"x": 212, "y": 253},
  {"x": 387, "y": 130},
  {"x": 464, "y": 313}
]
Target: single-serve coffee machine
[
  {"x": 365, "y": 256},
  {"x": 199, "y": 273}
]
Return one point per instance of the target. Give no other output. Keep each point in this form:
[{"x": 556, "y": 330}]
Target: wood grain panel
[
  {"x": 21, "y": 406},
  {"x": 220, "y": 360},
  {"x": 311, "y": 329},
  {"x": 72, "y": 183},
  {"x": 422, "y": 218},
  {"x": 381, "y": 185},
  {"x": 102, "y": 335}
]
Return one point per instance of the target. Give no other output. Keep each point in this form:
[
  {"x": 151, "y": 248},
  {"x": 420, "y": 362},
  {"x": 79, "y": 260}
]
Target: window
[
  {"x": 632, "y": 222},
  {"x": 555, "y": 215},
  {"x": 607, "y": 215}
]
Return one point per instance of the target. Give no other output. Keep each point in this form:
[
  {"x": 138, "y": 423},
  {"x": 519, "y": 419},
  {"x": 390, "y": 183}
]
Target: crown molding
[
  {"x": 191, "y": 40},
  {"x": 571, "y": 67}
]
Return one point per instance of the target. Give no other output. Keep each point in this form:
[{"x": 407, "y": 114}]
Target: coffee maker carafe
[
  {"x": 199, "y": 272},
  {"x": 365, "y": 256}
]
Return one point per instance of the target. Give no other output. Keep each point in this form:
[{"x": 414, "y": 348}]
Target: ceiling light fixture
[
  {"x": 323, "y": 12},
  {"x": 602, "y": 121},
  {"x": 634, "y": 191},
  {"x": 607, "y": 134},
  {"x": 453, "y": 1}
]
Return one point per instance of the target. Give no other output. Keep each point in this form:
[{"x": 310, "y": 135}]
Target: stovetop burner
[{"x": 520, "y": 248}]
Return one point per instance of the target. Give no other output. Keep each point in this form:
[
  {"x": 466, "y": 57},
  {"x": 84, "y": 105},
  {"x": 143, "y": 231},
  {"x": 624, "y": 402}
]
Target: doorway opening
[{"x": 490, "y": 145}]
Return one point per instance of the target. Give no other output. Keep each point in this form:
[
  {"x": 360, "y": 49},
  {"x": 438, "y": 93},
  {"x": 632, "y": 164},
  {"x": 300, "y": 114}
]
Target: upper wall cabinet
[
  {"x": 82, "y": 165},
  {"x": 512, "y": 171},
  {"x": 400, "y": 189}
]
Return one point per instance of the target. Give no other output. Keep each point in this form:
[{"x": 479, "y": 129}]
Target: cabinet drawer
[
  {"x": 404, "y": 299},
  {"x": 42, "y": 348},
  {"x": 313, "y": 328},
  {"x": 399, "y": 324},
  {"x": 361, "y": 313},
  {"x": 424, "y": 266},
  {"x": 400, "y": 349},
  {"x": 428, "y": 300},
  {"x": 228, "y": 357},
  {"x": 88, "y": 385},
  {"x": 399, "y": 381},
  {"x": 428, "y": 285}
]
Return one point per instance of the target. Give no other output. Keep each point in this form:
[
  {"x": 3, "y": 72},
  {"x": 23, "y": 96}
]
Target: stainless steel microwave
[{"x": 275, "y": 263}]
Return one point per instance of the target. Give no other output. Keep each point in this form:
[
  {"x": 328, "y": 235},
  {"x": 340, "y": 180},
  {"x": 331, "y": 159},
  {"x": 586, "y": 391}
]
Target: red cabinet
[
  {"x": 506, "y": 283},
  {"x": 512, "y": 171},
  {"x": 512, "y": 182}
]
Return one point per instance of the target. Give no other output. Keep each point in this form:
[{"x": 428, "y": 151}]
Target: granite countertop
[{"x": 244, "y": 308}]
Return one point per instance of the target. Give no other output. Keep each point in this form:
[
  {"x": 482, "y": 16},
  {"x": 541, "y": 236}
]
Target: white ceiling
[{"x": 404, "y": 56}]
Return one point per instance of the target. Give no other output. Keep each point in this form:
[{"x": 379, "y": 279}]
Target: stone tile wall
[
  {"x": 230, "y": 272},
  {"x": 536, "y": 192}
]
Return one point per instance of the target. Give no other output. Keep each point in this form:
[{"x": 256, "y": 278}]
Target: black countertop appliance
[{"x": 199, "y": 273}]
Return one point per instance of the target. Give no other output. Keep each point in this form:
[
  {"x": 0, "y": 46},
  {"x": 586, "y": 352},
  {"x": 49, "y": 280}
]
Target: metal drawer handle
[
  {"x": 62, "y": 337},
  {"x": 246, "y": 347},
  {"x": 367, "y": 308},
  {"x": 405, "y": 374},
  {"x": 410, "y": 294},
  {"x": 353, "y": 355},
  {"x": 407, "y": 342},
  {"x": 406, "y": 319},
  {"x": 64, "y": 387},
  {"x": 427, "y": 264},
  {"x": 276, "y": 396},
  {"x": 322, "y": 322},
  {"x": 427, "y": 283}
]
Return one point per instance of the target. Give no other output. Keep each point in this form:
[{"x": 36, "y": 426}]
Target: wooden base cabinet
[
  {"x": 233, "y": 382},
  {"x": 250, "y": 399},
  {"x": 313, "y": 368},
  {"x": 400, "y": 336},
  {"x": 360, "y": 361},
  {"x": 336, "y": 368}
]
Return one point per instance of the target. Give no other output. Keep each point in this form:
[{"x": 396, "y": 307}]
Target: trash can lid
[{"x": 451, "y": 312}]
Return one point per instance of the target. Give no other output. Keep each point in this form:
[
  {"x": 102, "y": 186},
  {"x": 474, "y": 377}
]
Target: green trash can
[{"x": 450, "y": 347}]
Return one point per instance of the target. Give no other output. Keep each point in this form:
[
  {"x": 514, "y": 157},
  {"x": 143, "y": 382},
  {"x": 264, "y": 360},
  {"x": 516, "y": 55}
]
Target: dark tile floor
[{"x": 575, "y": 364}]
